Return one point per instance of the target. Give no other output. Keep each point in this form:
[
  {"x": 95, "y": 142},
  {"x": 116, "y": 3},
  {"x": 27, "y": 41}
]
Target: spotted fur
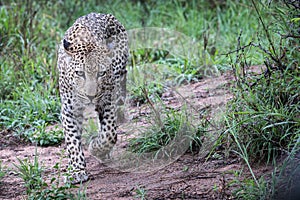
[{"x": 92, "y": 60}]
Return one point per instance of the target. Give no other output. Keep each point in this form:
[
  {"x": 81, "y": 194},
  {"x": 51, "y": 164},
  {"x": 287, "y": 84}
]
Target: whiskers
[{"x": 99, "y": 99}]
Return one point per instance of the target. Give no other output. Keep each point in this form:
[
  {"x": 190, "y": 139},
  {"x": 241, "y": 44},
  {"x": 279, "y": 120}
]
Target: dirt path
[
  {"x": 190, "y": 177},
  {"x": 187, "y": 178}
]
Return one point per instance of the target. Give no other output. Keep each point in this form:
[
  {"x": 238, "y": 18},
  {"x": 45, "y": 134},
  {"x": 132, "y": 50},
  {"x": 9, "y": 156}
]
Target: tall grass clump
[
  {"x": 266, "y": 106},
  {"x": 37, "y": 187},
  {"x": 160, "y": 134},
  {"x": 263, "y": 117},
  {"x": 168, "y": 127},
  {"x": 28, "y": 97}
]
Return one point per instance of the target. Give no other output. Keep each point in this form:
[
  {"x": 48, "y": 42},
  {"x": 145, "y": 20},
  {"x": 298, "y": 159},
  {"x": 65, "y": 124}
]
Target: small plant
[
  {"x": 42, "y": 137},
  {"x": 31, "y": 173},
  {"x": 141, "y": 193},
  {"x": 144, "y": 77},
  {"x": 202, "y": 132},
  {"x": 248, "y": 189},
  {"x": 182, "y": 71},
  {"x": 38, "y": 188},
  {"x": 161, "y": 133},
  {"x": 155, "y": 90},
  {"x": 2, "y": 172}
]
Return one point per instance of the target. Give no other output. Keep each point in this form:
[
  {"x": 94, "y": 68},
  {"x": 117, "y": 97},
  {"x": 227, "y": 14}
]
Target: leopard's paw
[{"x": 76, "y": 177}]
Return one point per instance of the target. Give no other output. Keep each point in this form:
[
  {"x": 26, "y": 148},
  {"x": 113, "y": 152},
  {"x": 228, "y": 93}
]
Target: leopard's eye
[
  {"x": 79, "y": 73},
  {"x": 101, "y": 74},
  {"x": 66, "y": 44}
]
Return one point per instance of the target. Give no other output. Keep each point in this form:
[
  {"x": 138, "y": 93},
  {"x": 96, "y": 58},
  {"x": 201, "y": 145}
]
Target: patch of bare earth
[{"x": 190, "y": 177}]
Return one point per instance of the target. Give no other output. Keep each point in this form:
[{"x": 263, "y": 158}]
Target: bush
[
  {"x": 263, "y": 116},
  {"x": 265, "y": 107}
]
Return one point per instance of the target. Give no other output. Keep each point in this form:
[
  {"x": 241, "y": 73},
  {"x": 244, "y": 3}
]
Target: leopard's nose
[
  {"x": 90, "y": 97},
  {"x": 66, "y": 44}
]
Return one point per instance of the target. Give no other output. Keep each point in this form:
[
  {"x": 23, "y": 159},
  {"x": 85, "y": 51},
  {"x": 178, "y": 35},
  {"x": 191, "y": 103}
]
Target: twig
[
  {"x": 270, "y": 54},
  {"x": 237, "y": 50},
  {"x": 289, "y": 36},
  {"x": 264, "y": 26},
  {"x": 157, "y": 114},
  {"x": 293, "y": 3},
  {"x": 238, "y": 44}
]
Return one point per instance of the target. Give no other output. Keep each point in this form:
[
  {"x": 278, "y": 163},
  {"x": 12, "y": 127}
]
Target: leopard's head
[
  {"x": 92, "y": 76},
  {"x": 90, "y": 72}
]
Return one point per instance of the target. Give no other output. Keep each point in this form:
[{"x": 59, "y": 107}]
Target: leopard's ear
[
  {"x": 110, "y": 46},
  {"x": 78, "y": 38}
]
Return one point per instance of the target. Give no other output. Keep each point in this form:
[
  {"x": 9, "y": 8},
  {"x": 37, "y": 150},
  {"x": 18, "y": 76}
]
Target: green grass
[
  {"x": 248, "y": 188},
  {"x": 2, "y": 171},
  {"x": 30, "y": 34},
  {"x": 36, "y": 185},
  {"x": 264, "y": 111},
  {"x": 141, "y": 193},
  {"x": 262, "y": 118},
  {"x": 159, "y": 134},
  {"x": 30, "y": 113},
  {"x": 29, "y": 98},
  {"x": 168, "y": 127}
]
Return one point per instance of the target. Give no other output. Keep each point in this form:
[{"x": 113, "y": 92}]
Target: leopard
[{"x": 92, "y": 59}]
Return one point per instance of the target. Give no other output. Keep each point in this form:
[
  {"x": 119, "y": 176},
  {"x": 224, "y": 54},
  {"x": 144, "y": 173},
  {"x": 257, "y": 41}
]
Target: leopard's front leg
[
  {"x": 101, "y": 146},
  {"x": 72, "y": 119}
]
